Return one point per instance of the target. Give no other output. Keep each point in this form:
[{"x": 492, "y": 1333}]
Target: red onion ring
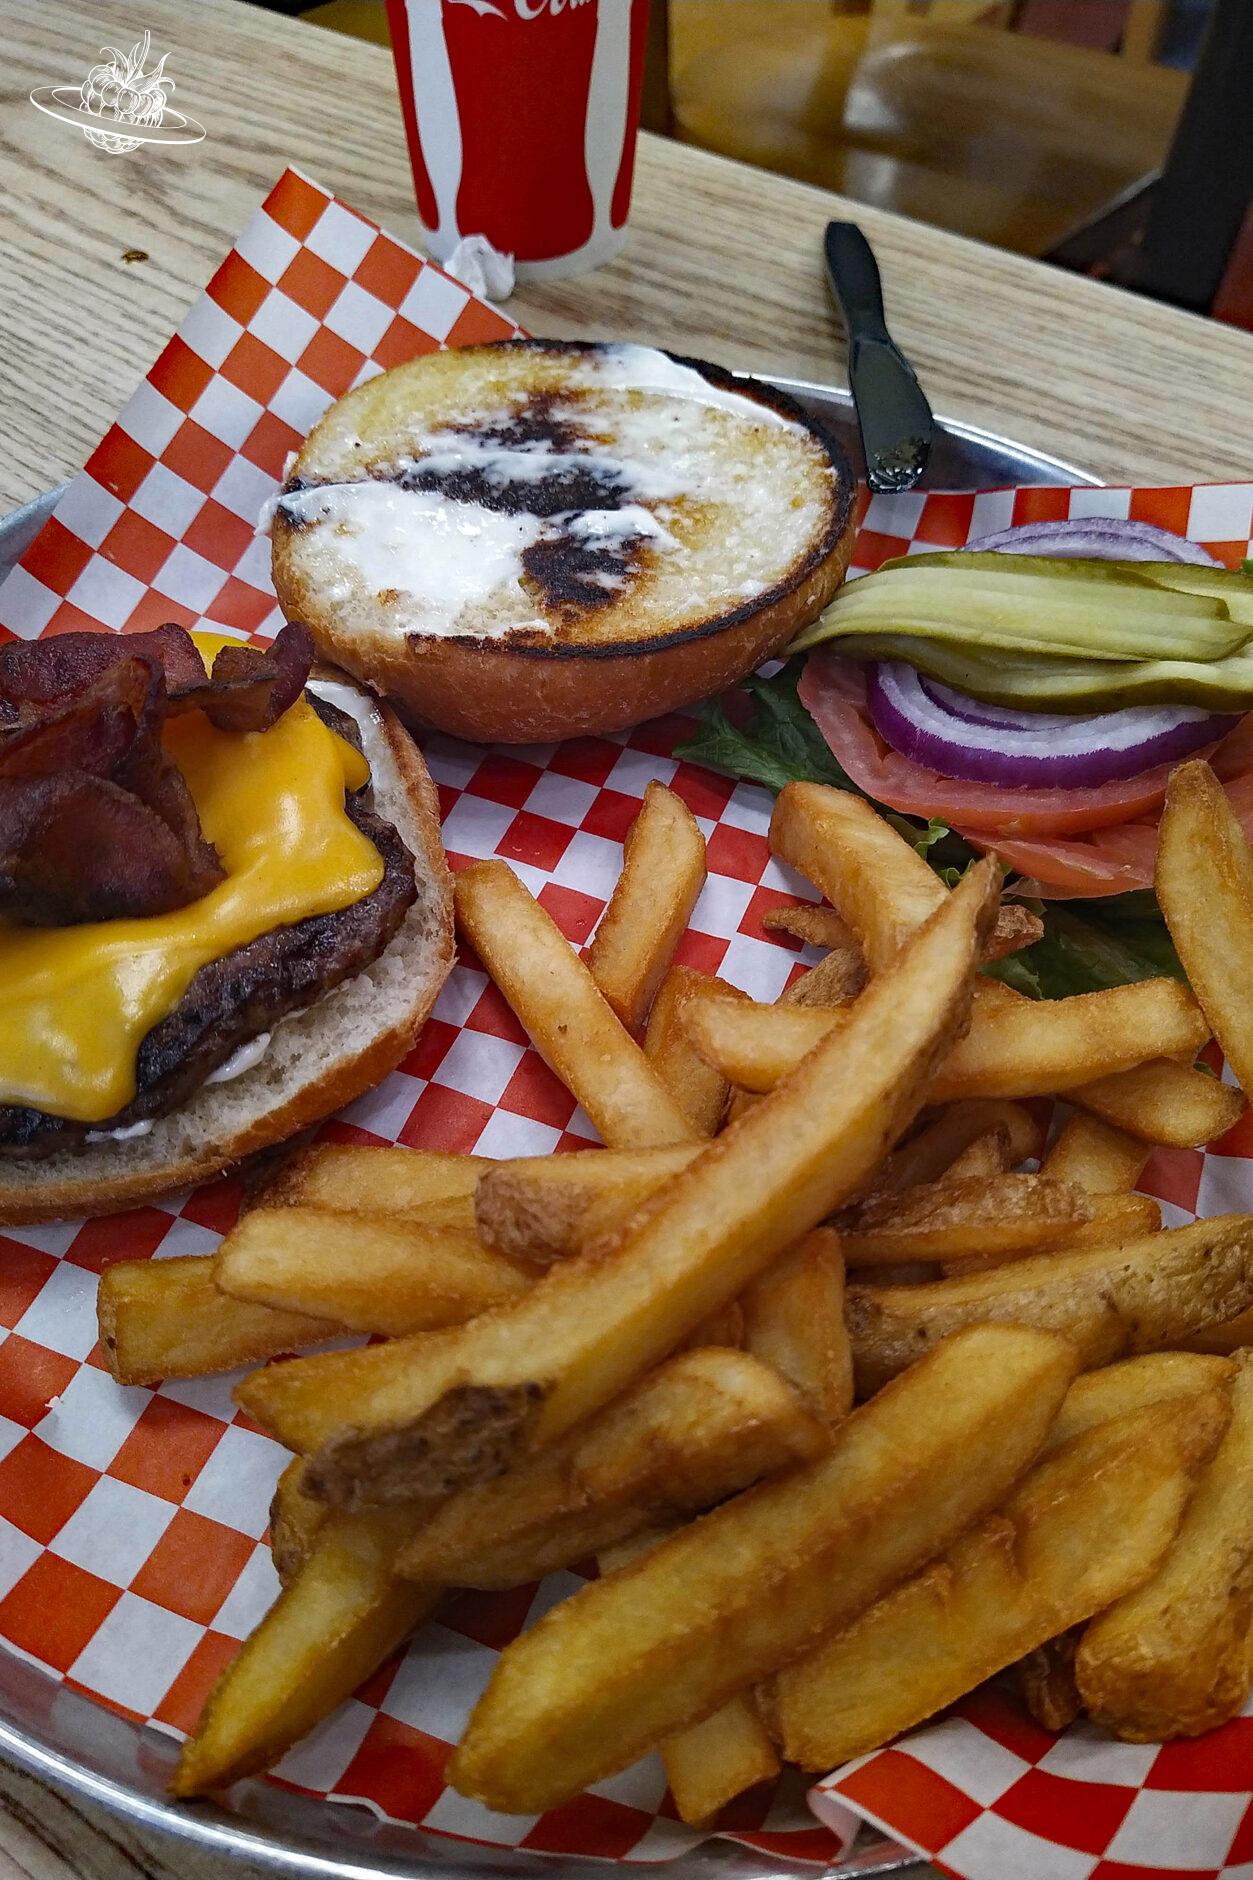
[
  {"x": 1097, "y": 538},
  {"x": 935, "y": 727}
]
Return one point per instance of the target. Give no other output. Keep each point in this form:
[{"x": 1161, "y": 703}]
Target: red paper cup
[{"x": 521, "y": 117}]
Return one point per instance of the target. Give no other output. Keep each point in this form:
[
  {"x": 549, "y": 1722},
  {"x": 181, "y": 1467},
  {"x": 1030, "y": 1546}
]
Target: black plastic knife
[{"x": 894, "y": 416}]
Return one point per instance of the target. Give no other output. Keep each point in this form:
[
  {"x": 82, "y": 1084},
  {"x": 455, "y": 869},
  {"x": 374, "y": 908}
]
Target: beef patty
[{"x": 233, "y": 999}]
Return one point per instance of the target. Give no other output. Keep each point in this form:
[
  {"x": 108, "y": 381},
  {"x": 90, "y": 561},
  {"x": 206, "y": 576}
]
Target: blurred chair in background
[{"x": 932, "y": 109}]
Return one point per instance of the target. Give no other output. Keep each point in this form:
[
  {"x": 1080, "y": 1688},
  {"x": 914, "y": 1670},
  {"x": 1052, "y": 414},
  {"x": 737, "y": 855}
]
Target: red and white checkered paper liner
[{"x": 132, "y": 1522}]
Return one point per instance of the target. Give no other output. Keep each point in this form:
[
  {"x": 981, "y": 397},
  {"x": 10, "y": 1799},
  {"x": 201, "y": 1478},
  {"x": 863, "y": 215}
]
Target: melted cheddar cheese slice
[{"x": 76, "y": 1002}]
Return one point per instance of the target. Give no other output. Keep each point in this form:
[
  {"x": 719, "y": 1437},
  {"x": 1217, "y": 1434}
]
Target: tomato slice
[{"x": 1067, "y": 842}]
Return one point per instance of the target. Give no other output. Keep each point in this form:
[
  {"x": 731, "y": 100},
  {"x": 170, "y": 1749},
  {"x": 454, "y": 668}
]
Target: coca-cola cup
[{"x": 521, "y": 118}]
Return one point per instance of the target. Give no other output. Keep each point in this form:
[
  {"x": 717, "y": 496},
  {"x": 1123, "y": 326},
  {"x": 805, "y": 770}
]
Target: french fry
[
  {"x": 702, "y": 1426},
  {"x": 723, "y": 1603},
  {"x": 1046, "y": 1682},
  {"x": 1087, "y": 1525},
  {"x": 1204, "y": 883},
  {"x": 711, "y": 1762},
  {"x": 1030, "y": 1048},
  {"x": 368, "y": 1272},
  {"x": 833, "y": 981},
  {"x": 296, "y": 1519},
  {"x": 794, "y": 1320},
  {"x": 356, "y": 1179},
  {"x": 983, "y": 1159},
  {"x": 1171, "y": 1658},
  {"x": 1096, "y": 1156},
  {"x": 166, "y": 1318},
  {"x": 946, "y": 1134},
  {"x": 1116, "y": 1219},
  {"x": 698, "y": 1089},
  {"x": 549, "y": 1207},
  {"x": 1147, "y": 1296},
  {"x": 663, "y": 872},
  {"x": 570, "y": 1021},
  {"x": 1001, "y": 1216},
  {"x": 424, "y": 1416},
  {"x": 1136, "y": 1384},
  {"x": 873, "y": 879},
  {"x": 1164, "y": 1102},
  {"x": 1222, "y": 1339},
  {"x": 1016, "y": 927},
  {"x": 817, "y": 926},
  {"x": 337, "y": 1620}
]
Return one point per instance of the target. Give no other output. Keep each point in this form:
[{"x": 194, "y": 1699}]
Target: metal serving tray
[{"x": 61, "y": 1735}]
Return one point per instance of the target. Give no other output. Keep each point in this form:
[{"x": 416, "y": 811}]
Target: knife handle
[{"x": 854, "y": 275}]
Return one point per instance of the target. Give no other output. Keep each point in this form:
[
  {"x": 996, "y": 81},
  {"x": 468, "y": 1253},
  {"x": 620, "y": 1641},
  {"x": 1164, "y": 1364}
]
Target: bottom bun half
[{"x": 317, "y": 1060}]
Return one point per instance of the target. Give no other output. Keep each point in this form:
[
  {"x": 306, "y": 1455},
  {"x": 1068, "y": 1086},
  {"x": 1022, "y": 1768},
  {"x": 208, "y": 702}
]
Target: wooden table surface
[{"x": 722, "y": 261}]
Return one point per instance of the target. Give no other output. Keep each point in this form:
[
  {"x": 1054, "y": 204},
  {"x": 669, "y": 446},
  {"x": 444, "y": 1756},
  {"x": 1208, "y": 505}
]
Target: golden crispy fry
[
  {"x": 1087, "y": 1524},
  {"x": 872, "y": 877},
  {"x": 817, "y": 926},
  {"x": 1222, "y": 1339},
  {"x": 983, "y": 1159},
  {"x": 947, "y": 1133},
  {"x": 1046, "y": 1682},
  {"x": 335, "y": 1623},
  {"x": 1115, "y": 1220},
  {"x": 794, "y": 1320},
  {"x": 1164, "y": 1102},
  {"x": 367, "y": 1271},
  {"x": 360, "y": 1180},
  {"x": 711, "y": 1762},
  {"x": 1136, "y": 1384},
  {"x": 1016, "y": 927},
  {"x": 1024, "y": 1049},
  {"x": 1096, "y": 1156},
  {"x": 424, "y": 1416},
  {"x": 570, "y": 1021},
  {"x": 663, "y": 872},
  {"x": 1000, "y": 1216},
  {"x": 1144, "y": 1297},
  {"x": 166, "y": 1318},
  {"x": 1204, "y": 882},
  {"x": 549, "y": 1207},
  {"x": 702, "y": 1426},
  {"x": 722, "y": 1603},
  {"x": 833, "y": 981},
  {"x": 697, "y": 1088},
  {"x": 1171, "y": 1659},
  {"x": 296, "y": 1520}
]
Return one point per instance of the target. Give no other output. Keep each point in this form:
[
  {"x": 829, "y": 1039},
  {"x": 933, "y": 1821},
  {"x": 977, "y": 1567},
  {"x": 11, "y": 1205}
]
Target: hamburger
[
  {"x": 224, "y": 909},
  {"x": 534, "y": 539}
]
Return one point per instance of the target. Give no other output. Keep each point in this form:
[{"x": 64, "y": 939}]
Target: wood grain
[{"x": 722, "y": 260}]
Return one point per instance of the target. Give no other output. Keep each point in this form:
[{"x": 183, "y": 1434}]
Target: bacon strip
[{"x": 250, "y": 688}]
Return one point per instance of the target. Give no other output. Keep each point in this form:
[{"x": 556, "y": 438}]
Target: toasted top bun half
[
  {"x": 535, "y": 539},
  {"x": 318, "y": 1059}
]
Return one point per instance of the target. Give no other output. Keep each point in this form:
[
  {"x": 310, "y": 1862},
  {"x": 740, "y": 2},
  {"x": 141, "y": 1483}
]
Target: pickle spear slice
[
  {"x": 1056, "y": 609},
  {"x": 1067, "y": 685}
]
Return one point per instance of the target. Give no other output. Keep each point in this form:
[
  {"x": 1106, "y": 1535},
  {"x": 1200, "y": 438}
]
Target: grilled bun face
[{"x": 536, "y": 539}]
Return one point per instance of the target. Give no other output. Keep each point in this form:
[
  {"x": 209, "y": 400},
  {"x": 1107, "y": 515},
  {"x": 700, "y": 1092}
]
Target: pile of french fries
[{"x": 647, "y": 1353}]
